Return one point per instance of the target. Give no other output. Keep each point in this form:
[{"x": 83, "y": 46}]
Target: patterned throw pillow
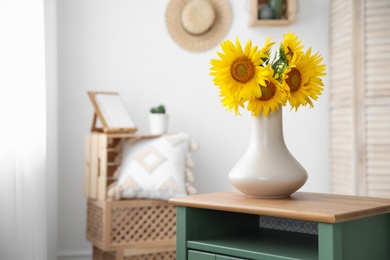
[{"x": 155, "y": 168}]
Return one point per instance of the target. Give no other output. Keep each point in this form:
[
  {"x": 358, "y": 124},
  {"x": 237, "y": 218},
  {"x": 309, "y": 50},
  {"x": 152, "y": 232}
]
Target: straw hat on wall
[{"x": 198, "y": 25}]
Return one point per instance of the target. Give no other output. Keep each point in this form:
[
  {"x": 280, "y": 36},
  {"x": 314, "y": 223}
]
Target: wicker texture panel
[
  {"x": 118, "y": 255},
  {"x": 101, "y": 255},
  {"x": 146, "y": 224},
  {"x": 95, "y": 221},
  {"x": 131, "y": 224},
  {"x": 155, "y": 256}
]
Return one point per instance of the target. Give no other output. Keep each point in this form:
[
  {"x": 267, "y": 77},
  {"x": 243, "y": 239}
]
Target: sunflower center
[
  {"x": 267, "y": 92},
  {"x": 294, "y": 80},
  {"x": 242, "y": 70}
]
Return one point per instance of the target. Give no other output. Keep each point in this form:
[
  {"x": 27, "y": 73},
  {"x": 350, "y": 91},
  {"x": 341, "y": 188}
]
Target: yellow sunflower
[
  {"x": 290, "y": 46},
  {"x": 231, "y": 102},
  {"x": 273, "y": 94},
  {"x": 266, "y": 50},
  {"x": 303, "y": 79},
  {"x": 247, "y": 77},
  {"x": 237, "y": 72}
]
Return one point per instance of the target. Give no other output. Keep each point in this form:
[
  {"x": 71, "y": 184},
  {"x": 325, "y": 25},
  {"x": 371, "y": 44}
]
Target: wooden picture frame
[
  {"x": 288, "y": 13},
  {"x": 112, "y": 113}
]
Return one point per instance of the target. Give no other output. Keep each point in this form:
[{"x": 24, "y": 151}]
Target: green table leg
[
  {"x": 185, "y": 228},
  {"x": 329, "y": 242}
]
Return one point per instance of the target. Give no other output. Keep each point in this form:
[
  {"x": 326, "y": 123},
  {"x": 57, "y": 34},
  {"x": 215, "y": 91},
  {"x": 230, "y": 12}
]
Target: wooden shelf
[
  {"x": 288, "y": 13},
  {"x": 102, "y": 155}
]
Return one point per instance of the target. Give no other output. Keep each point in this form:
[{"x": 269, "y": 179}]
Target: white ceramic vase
[
  {"x": 267, "y": 169},
  {"x": 158, "y": 123}
]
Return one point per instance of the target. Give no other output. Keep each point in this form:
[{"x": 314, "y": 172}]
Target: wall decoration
[
  {"x": 198, "y": 25},
  {"x": 272, "y": 12}
]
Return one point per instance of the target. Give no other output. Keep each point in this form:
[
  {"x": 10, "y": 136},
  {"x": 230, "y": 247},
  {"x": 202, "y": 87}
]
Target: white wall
[{"x": 123, "y": 46}]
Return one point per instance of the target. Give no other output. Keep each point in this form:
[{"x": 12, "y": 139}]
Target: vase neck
[{"x": 268, "y": 130}]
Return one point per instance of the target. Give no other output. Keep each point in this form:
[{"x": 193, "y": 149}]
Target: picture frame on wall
[{"x": 272, "y": 12}]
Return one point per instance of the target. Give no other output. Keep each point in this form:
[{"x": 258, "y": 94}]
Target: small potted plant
[{"x": 158, "y": 120}]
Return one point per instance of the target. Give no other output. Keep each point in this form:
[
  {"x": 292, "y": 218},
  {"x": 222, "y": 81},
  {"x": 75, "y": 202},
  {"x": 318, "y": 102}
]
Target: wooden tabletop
[{"x": 319, "y": 207}]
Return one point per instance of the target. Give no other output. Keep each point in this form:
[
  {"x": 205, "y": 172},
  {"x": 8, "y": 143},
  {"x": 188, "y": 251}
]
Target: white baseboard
[{"x": 74, "y": 255}]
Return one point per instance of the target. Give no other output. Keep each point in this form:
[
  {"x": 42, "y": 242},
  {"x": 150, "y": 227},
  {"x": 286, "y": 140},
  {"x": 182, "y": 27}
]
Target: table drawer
[{"x": 197, "y": 255}]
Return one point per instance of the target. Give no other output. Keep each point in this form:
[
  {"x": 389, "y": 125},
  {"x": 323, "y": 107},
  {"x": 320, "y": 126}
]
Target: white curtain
[{"x": 23, "y": 184}]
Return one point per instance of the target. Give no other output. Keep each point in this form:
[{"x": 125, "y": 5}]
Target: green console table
[{"x": 227, "y": 226}]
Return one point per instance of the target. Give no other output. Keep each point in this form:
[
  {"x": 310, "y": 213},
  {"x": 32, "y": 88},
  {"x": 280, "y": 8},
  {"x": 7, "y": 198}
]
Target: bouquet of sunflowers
[{"x": 253, "y": 79}]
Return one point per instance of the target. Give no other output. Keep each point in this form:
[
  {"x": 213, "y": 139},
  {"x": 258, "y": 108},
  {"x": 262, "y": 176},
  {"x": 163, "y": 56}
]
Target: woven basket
[
  {"x": 138, "y": 226},
  {"x": 121, "y": 255},
  {"x": 102, "y": 255}
]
